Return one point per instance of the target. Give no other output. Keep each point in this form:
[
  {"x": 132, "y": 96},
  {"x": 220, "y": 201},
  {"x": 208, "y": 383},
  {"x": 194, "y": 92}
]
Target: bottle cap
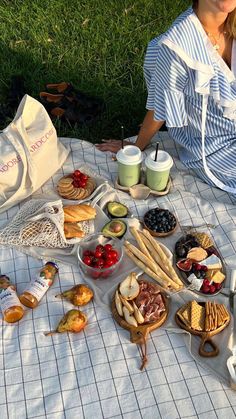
[{"x": 53, "y": 264}]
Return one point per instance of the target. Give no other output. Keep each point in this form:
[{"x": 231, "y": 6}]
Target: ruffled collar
[
  {"x": 187, "y": 38},
  {"x": 191, "y": 41}
]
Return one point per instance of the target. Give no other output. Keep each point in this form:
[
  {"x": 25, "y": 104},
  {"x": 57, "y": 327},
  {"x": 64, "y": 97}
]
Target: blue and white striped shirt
[{"x": 181, "y": 66}]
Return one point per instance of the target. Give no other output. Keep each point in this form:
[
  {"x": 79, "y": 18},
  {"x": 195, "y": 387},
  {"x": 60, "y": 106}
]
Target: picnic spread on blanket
[{"x": 117, "y": 280}]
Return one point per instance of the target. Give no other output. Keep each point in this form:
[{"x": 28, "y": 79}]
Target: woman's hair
[{"x": 230, "y": 21}]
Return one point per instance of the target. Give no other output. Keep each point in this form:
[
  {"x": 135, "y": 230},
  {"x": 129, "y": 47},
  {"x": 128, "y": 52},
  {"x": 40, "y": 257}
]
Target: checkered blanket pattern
[{"x": 95, "y": 374}]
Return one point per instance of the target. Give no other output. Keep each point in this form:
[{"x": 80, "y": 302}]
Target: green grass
[{"x": 98, "y": 45}]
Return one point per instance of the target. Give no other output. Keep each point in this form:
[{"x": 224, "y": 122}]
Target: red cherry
[
  {"x": 87, "y": 253},
  {"x": 75, "y": 183},
  {"x": 108, "y": 247},
  {"x": 206, "y": 282},
  {"x": 109, "y": 263},
  {"x": 87, "y": 260},
  {"x": 205, "y": 289},
  {"x": 106, "y": 265},
  {"x": 212, "y": 289},
  {"x": 106, "y": 274},
  {"x": 114, "y": 254},
  {"x": 204, "y": 268},
  {"x": 83, "y": 176},
  {"x": 98, "y": 253},
  {"x": 77, "y": 173},
  {"x": 82, "y": 183},
  {"x": 100, "y": 263},
  {"x": 197, "y": 267},
  {"x": 217, "y": 286},
  {"x": 95, "y": 274},
  {"x": 100, "y": 247},
  {"x": 108, "y": 255}
]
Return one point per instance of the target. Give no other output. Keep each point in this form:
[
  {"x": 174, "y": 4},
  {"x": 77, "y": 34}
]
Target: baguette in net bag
[{"x": 40, "y": 223}]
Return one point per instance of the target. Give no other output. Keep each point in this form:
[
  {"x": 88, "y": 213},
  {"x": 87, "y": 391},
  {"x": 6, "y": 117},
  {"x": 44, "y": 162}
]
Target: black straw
[
  {"x": 157, "y": 146},
  {"x": 122, "y": 136}
]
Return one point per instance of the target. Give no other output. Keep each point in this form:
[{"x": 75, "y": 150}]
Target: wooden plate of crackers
[{"x": 204, "y": 319}]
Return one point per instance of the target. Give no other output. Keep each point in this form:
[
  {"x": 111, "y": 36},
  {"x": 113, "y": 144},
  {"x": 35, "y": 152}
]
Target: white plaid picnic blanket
[{"x": 95, "y": 374}]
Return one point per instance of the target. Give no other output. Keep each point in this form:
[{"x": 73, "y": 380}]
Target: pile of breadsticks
[{"x": 152, "y": 260}]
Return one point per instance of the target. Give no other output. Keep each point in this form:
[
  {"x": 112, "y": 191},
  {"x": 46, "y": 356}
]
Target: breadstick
[
  {"x": 147, "y": 270},
  {"x": 151, "y": 268},
  {"x": 152, "y": 265},
  {"x": 164, "y": 258},
  {"x": 136, "y": 234},
  {"x": 154, "y": 253}
]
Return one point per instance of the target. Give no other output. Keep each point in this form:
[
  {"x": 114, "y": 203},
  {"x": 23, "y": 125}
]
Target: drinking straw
[
  {"x": 157, "y": 146},
  {"x": 122, "y": 136}
]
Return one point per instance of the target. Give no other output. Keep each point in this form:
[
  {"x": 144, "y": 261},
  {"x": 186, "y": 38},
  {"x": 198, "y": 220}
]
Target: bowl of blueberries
[{"x": 160, "y": 222}]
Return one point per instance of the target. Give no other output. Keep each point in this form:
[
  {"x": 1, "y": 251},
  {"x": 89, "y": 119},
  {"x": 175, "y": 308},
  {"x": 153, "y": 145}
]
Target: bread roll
[
  {"x": 72, "y": 230},
  {"x": 76, "y": 213}
]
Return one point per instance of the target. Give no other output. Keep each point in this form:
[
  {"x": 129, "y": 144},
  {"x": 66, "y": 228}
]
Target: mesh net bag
[{"x": 40, "y": 223}]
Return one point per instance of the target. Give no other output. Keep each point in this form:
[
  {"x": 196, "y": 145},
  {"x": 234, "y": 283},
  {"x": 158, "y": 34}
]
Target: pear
[
  {"x": 73, "y": 321},
  {"x": 137, "y": 314},
  {"x": 126, "y": 304},
  {"x": 79, "y": 295},
  {"x": 118, "y": 303},
  {"x": 129, "y": 317},
  {"x": 129, "y": 288}
]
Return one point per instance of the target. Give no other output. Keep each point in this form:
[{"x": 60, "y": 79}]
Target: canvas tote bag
[{"x": 30, "y": 153}]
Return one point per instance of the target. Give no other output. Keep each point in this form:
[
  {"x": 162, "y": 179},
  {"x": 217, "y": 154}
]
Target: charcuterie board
[
  {"x": 204, "y": 334},
  {"x": 139, "y": 334}
]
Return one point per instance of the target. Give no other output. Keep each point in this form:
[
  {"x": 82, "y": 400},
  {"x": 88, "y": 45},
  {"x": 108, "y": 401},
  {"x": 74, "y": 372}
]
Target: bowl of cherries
[{"x": 100, "y": 256}]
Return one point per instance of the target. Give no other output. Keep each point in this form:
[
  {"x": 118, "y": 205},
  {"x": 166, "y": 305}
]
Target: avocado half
[
  {"x": 117, "y": 210},
  {"x": 115, "y": 228}
]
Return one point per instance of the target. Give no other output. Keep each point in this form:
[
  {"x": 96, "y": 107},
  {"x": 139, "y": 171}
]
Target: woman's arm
[{"x": 147, "y": 131}]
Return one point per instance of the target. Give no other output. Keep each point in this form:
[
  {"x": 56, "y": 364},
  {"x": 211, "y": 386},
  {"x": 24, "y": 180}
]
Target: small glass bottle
[
  {"x": 37, "y": 288},
  {"x": 11, "y": 307}
]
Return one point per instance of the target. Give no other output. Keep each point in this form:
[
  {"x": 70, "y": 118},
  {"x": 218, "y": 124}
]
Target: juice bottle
[
  {"x": 11, "y": 307},
  {"x": 37, "y": 288}
]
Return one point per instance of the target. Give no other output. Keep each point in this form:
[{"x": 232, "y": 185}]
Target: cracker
[
  {"x": 180, "y": 312},
  {"x": 204, "y": 240},
  {"x": 224, "y": 312},
  {"x": 186, "y": 315},
  {"x": 197, "y": 316},
  {"x": 207, "y": 317}
]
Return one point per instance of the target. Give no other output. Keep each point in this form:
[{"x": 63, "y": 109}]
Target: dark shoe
[
  {"x": 84, "y": 100},
  {"x": 51, "y": 101},
  {"x": 62, "y": 87}
]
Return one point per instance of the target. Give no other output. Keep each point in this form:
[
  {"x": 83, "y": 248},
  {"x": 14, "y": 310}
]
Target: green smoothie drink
[
  {"x": 157, "y": 172},
  {"x": 129, "y": 161}
]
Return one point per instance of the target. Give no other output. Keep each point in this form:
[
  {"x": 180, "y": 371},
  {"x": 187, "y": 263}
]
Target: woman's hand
[{"x": 111, "y": 145}]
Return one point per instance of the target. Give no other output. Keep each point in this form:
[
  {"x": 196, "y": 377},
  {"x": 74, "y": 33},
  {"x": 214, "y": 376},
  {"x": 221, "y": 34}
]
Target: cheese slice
[
  {"x": 218, "y": 277},
  {"x": 212, "y": 262}
]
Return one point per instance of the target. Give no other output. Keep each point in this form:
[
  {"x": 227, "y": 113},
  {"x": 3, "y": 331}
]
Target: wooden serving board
[
  {"x": 205, "y": 336},
  {"x": 139, "y": 334}
]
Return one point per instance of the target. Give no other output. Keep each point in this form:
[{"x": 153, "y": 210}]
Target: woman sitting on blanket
[{"x": 190, "y": 73}]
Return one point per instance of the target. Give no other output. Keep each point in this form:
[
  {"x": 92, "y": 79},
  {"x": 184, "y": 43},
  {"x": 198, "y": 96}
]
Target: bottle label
[
  {"x": 39, "y": 287},
  {"x": 8, "y": 299}
]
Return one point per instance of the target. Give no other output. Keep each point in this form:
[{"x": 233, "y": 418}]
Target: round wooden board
[
  {"x": 139, "y": 334},
  {"x": 205, "y": 336}
]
